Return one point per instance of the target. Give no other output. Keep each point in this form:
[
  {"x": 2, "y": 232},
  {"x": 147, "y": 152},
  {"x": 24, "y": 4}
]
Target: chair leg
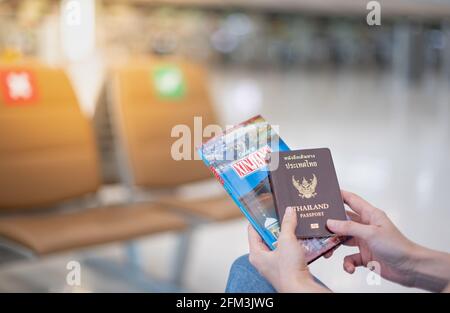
[
  {"x": 133, "y": 256},
  {"x": 138, "y": 281},
  {"x": 15, "y": 251},
  {"x": 180, "y": 259},
  {"x": 131, "y": 271},
  {"x": 179, "y": 262}
]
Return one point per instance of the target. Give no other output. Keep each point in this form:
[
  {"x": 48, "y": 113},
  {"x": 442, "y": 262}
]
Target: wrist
[
  {"x": 430, "y": 269},
  {"x": 303, "y": 283}
]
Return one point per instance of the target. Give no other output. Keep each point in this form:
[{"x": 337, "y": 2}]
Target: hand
[
  {"x": 378, "y": 239},
  {"x": 285, "y": 267}
]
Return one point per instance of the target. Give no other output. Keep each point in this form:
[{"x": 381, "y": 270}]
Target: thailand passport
[{"x": 306, "y": 180}]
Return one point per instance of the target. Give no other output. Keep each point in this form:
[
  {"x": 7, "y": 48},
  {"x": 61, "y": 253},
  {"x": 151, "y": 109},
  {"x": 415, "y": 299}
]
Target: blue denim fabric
[{"x": 245, "y": 278}]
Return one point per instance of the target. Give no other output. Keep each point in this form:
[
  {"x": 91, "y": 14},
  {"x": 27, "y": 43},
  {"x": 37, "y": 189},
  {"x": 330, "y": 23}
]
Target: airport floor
[{"x": 391, "y": 144}]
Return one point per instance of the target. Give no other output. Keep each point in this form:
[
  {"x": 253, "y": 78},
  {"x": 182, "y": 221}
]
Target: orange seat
[
  {"x": 218, "y": 208},
  {"x": 145, "y": 114},
  {"x": 48, "y": 155},
  {"x": 47, "y": 233},
  {"x": 47, "y": 151}
]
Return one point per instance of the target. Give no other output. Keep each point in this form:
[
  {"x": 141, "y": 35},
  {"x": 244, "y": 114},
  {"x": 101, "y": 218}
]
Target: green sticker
[{"x": 169, "y": 82}]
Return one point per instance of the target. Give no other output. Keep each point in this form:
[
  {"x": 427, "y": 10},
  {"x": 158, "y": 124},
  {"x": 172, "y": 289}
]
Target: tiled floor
[{"x": 390, "y": 142}]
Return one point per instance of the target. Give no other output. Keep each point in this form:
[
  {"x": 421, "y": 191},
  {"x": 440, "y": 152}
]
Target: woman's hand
[
  {"x": 378, "y": 239},
  {"x": 285, "y": 267}
]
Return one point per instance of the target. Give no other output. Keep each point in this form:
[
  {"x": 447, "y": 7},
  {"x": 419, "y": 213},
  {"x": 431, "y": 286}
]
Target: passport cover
[
  {"x": 237, "y": 159},
  {"x": 306, "y": 180}
]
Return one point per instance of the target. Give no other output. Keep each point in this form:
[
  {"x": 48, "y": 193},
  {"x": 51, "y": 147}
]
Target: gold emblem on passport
[{"x": 307, "y": 188}]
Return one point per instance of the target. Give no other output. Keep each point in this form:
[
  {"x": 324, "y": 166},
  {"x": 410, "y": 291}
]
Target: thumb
[
  {"x": 289, "y": 223},
  {"x": 350, "y": 228}
]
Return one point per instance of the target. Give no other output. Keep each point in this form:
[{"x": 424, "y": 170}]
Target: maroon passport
[{"x": 307, "y": 181}]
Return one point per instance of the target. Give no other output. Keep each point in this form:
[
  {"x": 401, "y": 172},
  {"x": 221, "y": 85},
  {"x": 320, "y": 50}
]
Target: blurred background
[{"x": 378, "y": 96}]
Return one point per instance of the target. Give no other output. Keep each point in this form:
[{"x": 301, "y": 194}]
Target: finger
[
  {"x": 329, "y": 254},
  {"x": 255, "y": 242},
  {"x": 299, "y": 246},
  {"x": 289, "y": 224},
  {"x": 350, "y": 228},
  {"x": 351, "y": 262},
  {"x": 353, "y": 216},
  {"x": 352, "y": 242},
  {"x": 357, "y": 204}
]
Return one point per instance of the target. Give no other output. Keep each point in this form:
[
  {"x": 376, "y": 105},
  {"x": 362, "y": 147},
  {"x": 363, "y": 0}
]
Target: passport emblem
[{"x": 307, "y": 188}]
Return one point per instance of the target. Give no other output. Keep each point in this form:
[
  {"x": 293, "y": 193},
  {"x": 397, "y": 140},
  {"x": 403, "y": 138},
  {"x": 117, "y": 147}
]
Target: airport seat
[
  {"x": 216, "y": 208},
  {"x": 48, "y": 233},
  {"x": 144, "y": 116},
  {"x": 47, "y": 157}
]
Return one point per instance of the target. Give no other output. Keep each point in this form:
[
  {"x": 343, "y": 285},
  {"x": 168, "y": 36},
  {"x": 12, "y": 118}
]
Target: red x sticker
[{"x": 18, "y": 86}]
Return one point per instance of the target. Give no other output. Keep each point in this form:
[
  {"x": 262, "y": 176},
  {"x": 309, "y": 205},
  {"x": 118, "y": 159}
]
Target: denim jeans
[{"x": 245, "y": 278}]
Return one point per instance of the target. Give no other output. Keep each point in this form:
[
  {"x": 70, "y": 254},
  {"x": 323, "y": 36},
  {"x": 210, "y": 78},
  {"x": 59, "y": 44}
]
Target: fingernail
[
  {"x": 331, "y": 223},
  {"x": 347, "y": 267},
  {"x": 289, "y": 210}
]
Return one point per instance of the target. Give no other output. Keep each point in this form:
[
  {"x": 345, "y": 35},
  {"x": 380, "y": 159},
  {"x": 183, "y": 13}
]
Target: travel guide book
[{"x": 238, "y": 159}]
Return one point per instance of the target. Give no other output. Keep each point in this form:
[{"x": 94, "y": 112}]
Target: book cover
[
  {"x": 306, "y": 180},
  {"x": 237, "y": 159}
]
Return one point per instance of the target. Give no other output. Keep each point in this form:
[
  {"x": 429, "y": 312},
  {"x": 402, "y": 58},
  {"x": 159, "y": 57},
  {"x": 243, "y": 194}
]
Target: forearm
[
  {"x": 304, "y": 285},
  {"x": 311, "y": 287},
  {"x": 431, "y": 269}
]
